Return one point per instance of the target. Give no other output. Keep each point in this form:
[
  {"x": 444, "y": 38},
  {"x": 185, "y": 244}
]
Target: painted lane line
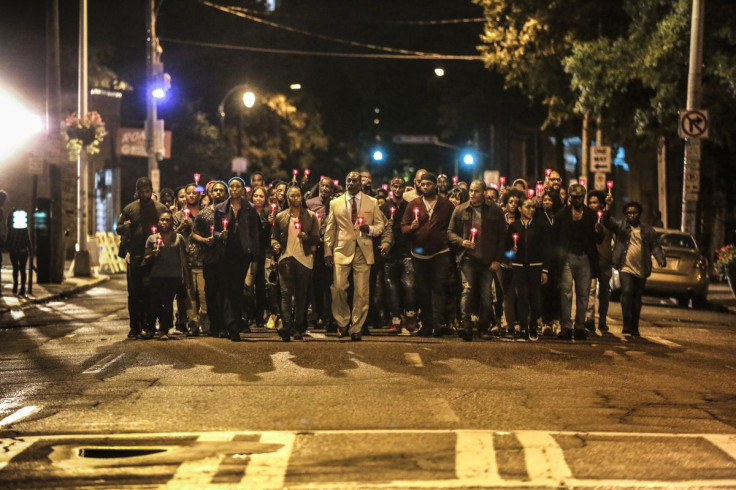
[
  {"x": 10, "y": 448},
  {"x": 17, "y": 314},
  {"x": 726, "y": 443},
  {"x": 316, "y": 335},
  {"x": 545, "y": 460},
  {"x": 108, "y": 318},
  {"x": 19, "y": 415},
  {"x": 198, "y": 473},
  {"x": 268, "y": 470},
  {"x": 413, "y": 359},
  {"x": 103, "y": 364},
  {"x": 475, "y": 457},
  {"x": 665, "y": 342}
]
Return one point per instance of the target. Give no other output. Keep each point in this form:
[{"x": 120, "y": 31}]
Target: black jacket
[
  {"x": 245, "y": 225},
  {"x": 309, "y": 224},
  {"x": 533, "y": 245},
  {"x": 563, "y": 234},
  {"x": 493, "y": 231},
  {"x": 649, "y": 243}
]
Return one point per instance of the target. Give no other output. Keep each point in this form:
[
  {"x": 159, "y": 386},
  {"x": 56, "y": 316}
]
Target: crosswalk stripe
[
  {"x": 665, "y": 342},
  {"x": 475, "y": 457},
  {"x": 103, "y": 364},
  {"x": 18, "y": 415},
  {"x": 199, "y": 473},
  {"x": 544, "y": 458},
  {"x": 726, "y": 443},
  {"x": 268, "y": 470}
]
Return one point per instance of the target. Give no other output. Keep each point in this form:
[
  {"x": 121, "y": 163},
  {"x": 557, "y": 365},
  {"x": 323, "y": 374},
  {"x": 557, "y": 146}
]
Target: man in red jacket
[{"x": 425, "y": 223}]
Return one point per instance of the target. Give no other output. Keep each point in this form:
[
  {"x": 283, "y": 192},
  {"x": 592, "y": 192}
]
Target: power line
[
  {"x": 433, "y": 56},
  {"x": 428, "y": 22},
  {"x": 327, "y": 38}
]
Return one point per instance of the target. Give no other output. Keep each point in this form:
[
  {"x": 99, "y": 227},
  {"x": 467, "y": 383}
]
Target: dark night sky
[{"x": 346, "y": 89}]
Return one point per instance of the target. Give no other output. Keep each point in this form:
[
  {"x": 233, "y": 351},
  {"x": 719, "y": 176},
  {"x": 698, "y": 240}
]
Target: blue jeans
[
  {"x": 477, "y": 298},
  {"x": 577, "y": 270},
  {"x": 400, "y": 270}
]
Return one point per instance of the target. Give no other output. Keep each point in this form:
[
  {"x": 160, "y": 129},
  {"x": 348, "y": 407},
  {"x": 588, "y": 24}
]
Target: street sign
[
  {"x": 131, "y": 142},
  {"x": 600, "y": 158},
  {"x": 692, "y": 181},
  {"x": 416, "y": 139},
  {"x": 692, "y": 152},
  {"x": 239, "y": 165},
  {"x": 694, "y": 124},
  {"x": 599, "y": 181}
]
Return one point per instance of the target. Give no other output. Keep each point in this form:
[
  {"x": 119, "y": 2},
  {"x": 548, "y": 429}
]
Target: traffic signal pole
[
  {"x": 82, "y": 265},
  {"x": 152, "y": 63}
]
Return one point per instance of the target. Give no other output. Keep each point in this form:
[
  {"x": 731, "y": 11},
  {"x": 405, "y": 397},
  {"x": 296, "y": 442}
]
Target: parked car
[{"x": 685, "y": 276}]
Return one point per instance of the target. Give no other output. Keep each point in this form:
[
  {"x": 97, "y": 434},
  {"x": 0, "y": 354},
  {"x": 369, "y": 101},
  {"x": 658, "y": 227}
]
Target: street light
[
  {"x": 468, "y": 159},
  {"x": 249, "y": 100},
  {"x": 17, "y": 125},
  {"x": 378, "y": 156}
]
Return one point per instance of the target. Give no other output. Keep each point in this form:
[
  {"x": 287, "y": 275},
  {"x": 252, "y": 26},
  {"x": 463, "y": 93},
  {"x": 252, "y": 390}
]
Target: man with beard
[
  {"x": 554, "y": 189},
  {"x": 443, "y": 185},
  {"x": 353, "y": 220},
  {"x": 137, "y": 222},
  {"x": 425, "y": 224},
  {"x": 321, "y": 274},
  {"x": 202, "y": 235},
  {"x": 575, "y": 229}
]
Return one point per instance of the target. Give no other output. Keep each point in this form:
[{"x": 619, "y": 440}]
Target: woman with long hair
[{"x": 259, "y": 198}]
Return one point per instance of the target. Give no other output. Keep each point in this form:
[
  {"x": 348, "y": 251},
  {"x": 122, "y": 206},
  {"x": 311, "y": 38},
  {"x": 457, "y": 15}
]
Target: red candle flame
[
  {"x": 316, "y": 213},
  {"x": 384, "y": 187},
  {"x": 158, "y": 241},
  {"x": 298, "y": 226},
  {"x": 609, "y": 184},
  {"x": 225, "y": 221},
  {"x": 307, "y": 171},
  {"x": 295, "y": 172},
  {"x": 454, "y": 179},
  {"x": 530, "y": 193},
  {"x": 153, "y": 230},
  {"x": 360, "y": 220},
  {"x": 248, "y": 188},
  {"x": 187, "y": 212},
  {"x": 473, "y": 232},
  {"x": 196, "y": 178},
  {"x": 273, "y": 207},
  {"x": 416, "y": 212},
  {"x": 336, "y": 182},
  {"x": 502, "y": 181},
  {"x": 583, "y": 181},
  {"x": 393, "y": 210},
  {"x": 600, "y": 215},
  {"x": 515, "y": 236},
  {"x": 212, "y": 230},
  {"x": 547, "y": 172}
]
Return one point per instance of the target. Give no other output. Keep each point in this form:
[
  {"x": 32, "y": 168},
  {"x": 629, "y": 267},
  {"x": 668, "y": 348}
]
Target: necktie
[{"x": 354, "y": 209}]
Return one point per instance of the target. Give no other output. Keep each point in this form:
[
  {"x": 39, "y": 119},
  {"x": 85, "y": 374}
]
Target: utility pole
[
  {"x": 82, "y": 266},
  {"x": 584, "y": 148},
  {"x": 153, "y": 69},
  {"x": 691, "y": 170}
]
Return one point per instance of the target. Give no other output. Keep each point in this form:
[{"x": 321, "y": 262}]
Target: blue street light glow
[
  {"x": 468, "y": 159},
  {"x": 378, "y": 155},
  {"x": 158, "y": 93}
]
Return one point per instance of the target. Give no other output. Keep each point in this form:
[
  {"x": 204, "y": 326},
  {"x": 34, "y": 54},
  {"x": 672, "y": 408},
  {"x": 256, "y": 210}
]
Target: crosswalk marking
[
  {"x": 726, "y": 443},
  {"x": 665, "y": 342},
  {"x": 198, "y": 473},
  {"x": 103, "y": 364},
  {"x": 475, "y": 457},
  {"x": 268, "y": 470},
  {"x": 544, "y": 458},
  {"x": 18, "y": 415}
]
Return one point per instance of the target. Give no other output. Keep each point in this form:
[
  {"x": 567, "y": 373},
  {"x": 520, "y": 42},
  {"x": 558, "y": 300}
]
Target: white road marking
[
  {"x": 11, "y": 301},
  {"x": 70, "y": 335},
  {"x": 413, "y": 359},
  {"x": 18, "y": 415},
  {"x": 660, "y": 340},
  {"x": 316, "y": 335},
  {"x": 199, "y": 472},
  {"x": 10, "y": 448},
  {"x": 103, "y": 364},
  {"x": 545, "y": 460},
  {"x": 475, "y": 457},
  {"x": 268, "y": 470},
  {"x": 726, "y": 443},
  {"x": 108, "y": 318}
]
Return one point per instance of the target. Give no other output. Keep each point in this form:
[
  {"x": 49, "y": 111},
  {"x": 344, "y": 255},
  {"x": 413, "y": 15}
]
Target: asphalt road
[{"x": 83, "y": 406}]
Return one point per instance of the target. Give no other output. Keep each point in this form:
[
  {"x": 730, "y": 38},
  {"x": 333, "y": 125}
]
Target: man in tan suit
[{"x": 354, "y": 218}]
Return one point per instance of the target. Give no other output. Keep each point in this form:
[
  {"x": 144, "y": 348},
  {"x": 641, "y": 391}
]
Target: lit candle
[
  {"x": 153, "y": 230},
  {"x": 540, "y": 188},
  {"x": 248, "y": 189},
  {"x": 273, "y": 208},
  {"x": 297, "y": 225},
  {"x": 502, "y": 181},
  {"x": 307, "y": 172},
  {"x": 515, "y": 236},
  {"x": 196, "y": 178},
  {"x": 416, "y": 212},
  {"x": 316, "y": 215},
  {"x": 393, "y": 210},
  {"x": 473, "y": 232},
  {"x": 158, "y": 242},
  {"x": 295, "y": 172},
  {"x": 547, "y": 172},
  {"x": 494, "y": 186},
  {"x": 212, "y": 230},
  {"x": 225, "y": 221},
  {"x": 609, "y": 184},
  {"x": 336, "y": 182},
  {"x": 530, "y": 193},
  {"x": 384, "y": 187},
  {"x": 360, "y": 220},
  {"x": 390, "y": 194},
  {"x": 454, "y": 179},
  {"x": 583, "y": 181},
  {"x": 600, "y": 215},
  {"x": 187, "y": 212}
]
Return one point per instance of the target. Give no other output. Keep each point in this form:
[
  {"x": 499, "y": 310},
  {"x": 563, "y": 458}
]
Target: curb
[{"x": 60, "y": 294}]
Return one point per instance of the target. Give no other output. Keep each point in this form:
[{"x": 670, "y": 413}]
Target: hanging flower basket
[
  {"x": 726, "y": 265},
  {"x": 84, "y": 133}
]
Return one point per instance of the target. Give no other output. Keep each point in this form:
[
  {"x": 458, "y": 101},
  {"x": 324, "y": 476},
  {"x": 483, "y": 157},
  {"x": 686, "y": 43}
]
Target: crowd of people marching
[{"x": 438, "y": 258}]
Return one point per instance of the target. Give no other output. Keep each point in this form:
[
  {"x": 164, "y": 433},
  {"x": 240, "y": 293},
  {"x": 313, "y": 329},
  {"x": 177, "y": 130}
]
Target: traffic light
[
  {"x": 468, "y": 158},
  {"x": 160, "y": 81},
  {"x": 377, "y": 155}
]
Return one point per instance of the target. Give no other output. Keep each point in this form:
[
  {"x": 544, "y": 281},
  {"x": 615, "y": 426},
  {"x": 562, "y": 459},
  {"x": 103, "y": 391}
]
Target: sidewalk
[
  {"x": 43, "y": 292},
  {"x": 719, "y": 294}
]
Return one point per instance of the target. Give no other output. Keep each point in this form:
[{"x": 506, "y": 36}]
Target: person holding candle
[
  {"x": 190, "y": 298},
  {"x": 203, "y": 236},
  {"x": 478, "y": 231},
  {"x": 577, "y": 256},
  {"x": 321, "y": 274},
  {"x": 550, "y": 289},
  {"x": 166, "y": 254},
  {"x": 425, "y": 223},
  {"x": 600, "y": 285},
  {"x": 636, "y": 243},
  {"x": 349, "y": 248},
  {"x": 527, "y": 241},
  {"x": 135, "y": 223},
  {"x": 398, "y": 267},
  {"x": 294, "y": 239},
  {"x": 258, "y": 197},
  {"x": 236, "y": 225}
]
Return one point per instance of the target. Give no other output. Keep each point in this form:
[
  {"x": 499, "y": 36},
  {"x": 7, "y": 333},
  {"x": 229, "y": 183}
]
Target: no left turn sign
[{"x": 694, "y": 124}]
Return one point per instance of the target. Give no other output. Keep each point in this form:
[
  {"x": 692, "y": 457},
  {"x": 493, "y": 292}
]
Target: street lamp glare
[
  {"x": 158, "y": 93},
  {"x": 468, "y": 159},
  {"x": 378, "y": 155},
  {"x": 249, "y": 99},
  {"x": 440, "y": 72},
  {"x": 17, "y": 126}
]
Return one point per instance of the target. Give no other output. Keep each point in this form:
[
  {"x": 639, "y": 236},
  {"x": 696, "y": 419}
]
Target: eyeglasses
[{"x": 555, "y": 179}]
